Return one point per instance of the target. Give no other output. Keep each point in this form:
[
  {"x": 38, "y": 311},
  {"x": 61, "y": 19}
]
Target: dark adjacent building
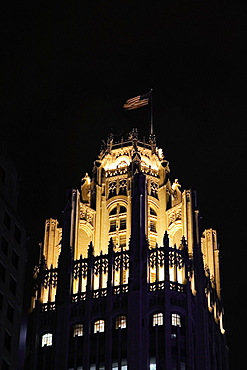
[
  {"x": 12, "y": 265},
  {"x": 130, "y": 281}
]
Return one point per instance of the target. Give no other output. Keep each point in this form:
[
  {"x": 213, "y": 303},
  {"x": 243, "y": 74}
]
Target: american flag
[{"x": 137, "y": 102}]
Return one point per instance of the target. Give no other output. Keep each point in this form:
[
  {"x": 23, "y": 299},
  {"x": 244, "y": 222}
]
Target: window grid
[
  {"x": 176, "y": 320},
  {"x": 99, "y": 326},
  {"x": 117, "y": 231},
  {"x": 78, "y": 330},
  {"x": 121, "y": 322},
  {"x": 46, "y": 340},
  {"x": 158, "y": 319}
]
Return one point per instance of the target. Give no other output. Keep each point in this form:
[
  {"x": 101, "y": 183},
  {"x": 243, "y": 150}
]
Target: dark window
[
  {"x": 17, "y": 234},
  {"x": 2, "y": 175},
  {"x": 7, "y": 341},
  {"x": 113, "y": 211},
  {"x": 7, "y": 220},
  {"x": 10, "y": 313},
  {"x": 12, "y": 285},
  {"x": 2, "y": 272},
  {"x": 153, "y": 226},
  {"x": 122, "y": 224},
  {"x": 113, "y": 225},
  {"x": 4, "y": 246},
  {"x": 152, "y": 212},
  {"x": 5, "y": 366},
  {"x": 1, "y": 301},
  {"x": 15, "y": 259},
  {"x": 122, "y": 209}
]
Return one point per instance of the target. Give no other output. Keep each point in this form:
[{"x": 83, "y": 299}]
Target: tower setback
[{"x": 130, "y": 281}]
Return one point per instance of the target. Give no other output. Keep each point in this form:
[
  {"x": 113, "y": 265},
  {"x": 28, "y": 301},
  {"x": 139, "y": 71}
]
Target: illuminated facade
[{"x": 130, "y": 281}]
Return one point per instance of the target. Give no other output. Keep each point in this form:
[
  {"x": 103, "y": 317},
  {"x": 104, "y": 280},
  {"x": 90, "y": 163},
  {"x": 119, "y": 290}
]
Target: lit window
[
  {"x": 78, "y": 330},
  {"x": 99, "y": 326},
  {"x": 176, "y": 320},
  {"x": 118, "y": 224},
  {"x": 116, "y": 367},
  {"x": 152, "y": 364},
  {"x": 158, "y": 319},
  {"x": 120, "y": 322},
  {"x": 46, "y": 340}
]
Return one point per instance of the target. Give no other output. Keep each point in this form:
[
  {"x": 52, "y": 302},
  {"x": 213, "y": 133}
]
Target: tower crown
[
  {"x": 117, "y": 157},
  {"x": 124, "y": 278}
]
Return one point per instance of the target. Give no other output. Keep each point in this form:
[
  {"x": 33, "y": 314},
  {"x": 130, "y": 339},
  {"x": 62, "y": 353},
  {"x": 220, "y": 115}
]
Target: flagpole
[{"x": 151, "y": 113}]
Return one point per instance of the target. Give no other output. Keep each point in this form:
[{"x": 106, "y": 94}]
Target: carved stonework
[
  {"x": 86, "y": 214},
  {"x": 80, "y": 269},
  {"x": 121, "y": 261},
  {"x": 174, "y": 214},
  {"x": 156, "y": 258},
  {"x": 50, "y": 278},
  {"x": 175, "y": 258},
  {"x": 100, "y": 266}
]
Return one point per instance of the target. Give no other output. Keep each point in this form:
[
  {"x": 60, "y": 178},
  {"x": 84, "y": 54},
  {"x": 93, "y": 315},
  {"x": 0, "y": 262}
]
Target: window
[
  {"x": 176, "y": 320},
  {"x": 122, "y": 240},
  {"x": 152, "y": 212},
  {"x": 4, "y": 246},
  {"x": 17, "y": 234},
  {"x": 15, "y": 259},
  {"x": 99, "y": 326},
  {"x": 123, "y": 365},
  {"x": 122, "y": 223},
  {"x": 118, "y": 224},
  {"x": 46, "y": 340},
  {"x": 153, "y": 226},
  {"x": 1, "y": 300},
  {"x": 78, "y": 330},
  {"x": 120, "y": 322},
  {"x": 7, "y": 340},
  {"x": 152, "y": 235},
  {"x": 10, "y": 313},
  {"x": 12, "y": 285},
  {"x": 122, "y": 209},
  {"x": 5, "y": 366},
  {"x": 152, "y": 364},
  {"x": 113, "y": 211},
  {"x": 158, "y": 319},
  {"x": 2, "y": 175},
  {"x": 2, "y": 272},
  {"x": 7, "y": 220},
  {"x": 113, "y": 225}
]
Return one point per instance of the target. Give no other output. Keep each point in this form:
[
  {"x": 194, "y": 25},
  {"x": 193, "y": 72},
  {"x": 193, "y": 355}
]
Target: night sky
[{"x": 69, "y": 66}]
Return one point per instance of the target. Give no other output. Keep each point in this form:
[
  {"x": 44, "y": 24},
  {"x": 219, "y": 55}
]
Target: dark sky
[{"x": 70, "y": 65}]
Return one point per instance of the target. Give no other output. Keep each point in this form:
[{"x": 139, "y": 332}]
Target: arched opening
[
  {"x": 156, "y": 341},
  {"x": 118, "y": 226}
]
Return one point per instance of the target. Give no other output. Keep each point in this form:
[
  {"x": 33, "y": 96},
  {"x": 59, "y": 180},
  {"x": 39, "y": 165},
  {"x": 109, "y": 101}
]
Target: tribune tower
[{"x": 129, "y": 281}]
